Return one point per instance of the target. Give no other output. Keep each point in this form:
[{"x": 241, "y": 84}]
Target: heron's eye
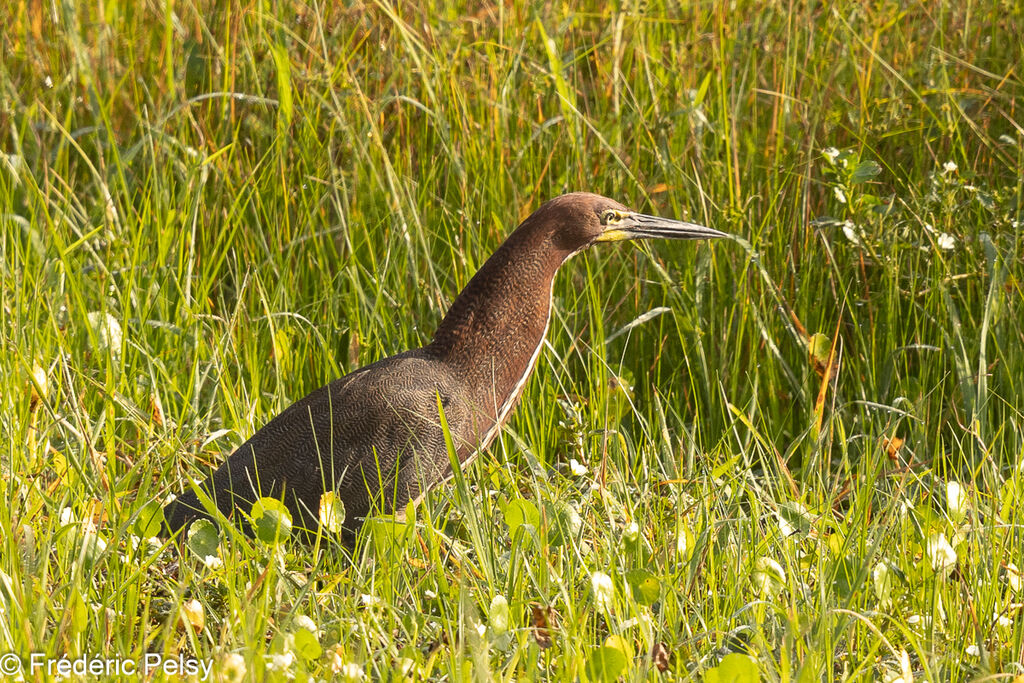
[{"x": 609, "y": 216}]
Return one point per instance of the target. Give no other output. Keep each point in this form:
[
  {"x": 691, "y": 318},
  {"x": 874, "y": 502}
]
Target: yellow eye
[{"x": 609, "y": 216}]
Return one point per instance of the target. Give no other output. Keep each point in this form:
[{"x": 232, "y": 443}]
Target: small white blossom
[
  {"x": 304, "y": 622},
  {"x": 840, "y": 195},
  {"x": 232, "y": 667},
  {"x": 950, "y": 167},
  {"x": 632, "y": 531},
  {"x": 973, "y": 650},
  {"x": 281, "y": 662},
  {"x": 577, "y": 468},
  {"x": 785, "y": 528},
  {"x": 369, "y": 600},
  {"x": 682, "y": 542},
  {"x": 1002, "y": 620},
  {"x": 67, "y": 516},
  {"x": 350, "y": 671},
  {"x": 945, "y": 241},
  {"x": 956, "y": 500},
  {"x": 213, "y": 562},
  {"x": 604, "y": 590},
  {"x": 940, "y": 553},
  {"x": 831, "y": 153},
  {"x": 851, "y": 232},
  {"x": 923, "y": 623}
]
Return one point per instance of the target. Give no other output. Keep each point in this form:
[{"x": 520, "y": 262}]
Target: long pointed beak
[{"x": 634, "y": 226}]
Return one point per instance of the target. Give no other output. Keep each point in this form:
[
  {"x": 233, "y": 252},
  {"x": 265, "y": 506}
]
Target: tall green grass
[{"x": 797, "y": 454}]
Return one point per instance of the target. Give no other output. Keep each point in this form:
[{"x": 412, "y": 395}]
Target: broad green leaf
[
  {"x": 203, "y": 538},
  {"x": 519, "y": 512},
  {"x": 645, "y": 586},
  {"x": 734, "y": 668},
  {"x": 271, "y": 521},
  {"x": 563, "y": 523},
  {"x": 609, "y": 661},
  {"x": 150, "y": 520},
  {"x": 388, "y": 534},
  {"x": 305, "y": 645},
  {"x": 865, "y": 171},
  {"x": 845, "y": 577}
]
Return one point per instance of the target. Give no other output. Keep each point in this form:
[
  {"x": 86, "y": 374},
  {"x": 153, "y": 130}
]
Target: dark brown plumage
[{"x": 374, "y": 436}]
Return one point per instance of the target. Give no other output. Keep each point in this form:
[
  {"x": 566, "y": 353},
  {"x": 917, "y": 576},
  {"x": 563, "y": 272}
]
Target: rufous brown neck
[{"x": 495, "y": 328}]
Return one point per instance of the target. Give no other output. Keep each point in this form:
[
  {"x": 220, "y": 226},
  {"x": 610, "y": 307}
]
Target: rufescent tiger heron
[{"x": 375, "y": 435}]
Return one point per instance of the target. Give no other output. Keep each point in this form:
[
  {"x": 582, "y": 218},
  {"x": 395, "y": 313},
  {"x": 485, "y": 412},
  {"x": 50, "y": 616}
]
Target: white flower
[
  {"x": 350, "y": 671},
  {"x": 232, "y": 667},
  {"x": 577, "y": 468},
  {"x": 923, "y": 623},
  {"x": 304, "y": 622},
  {"x": 973, "y": 650},
  {"x": 213, "y": 562},
  {"x": 682, "y": 542},
  {"x": 851, "y": 232},
  {"x": 956, "y": 500},
  {"x": 369, "y": 600},
  {"x": 281, "y": 662},
  {"x": 604, "y": 590},
  {"x": 632, "y": 531},
  {"x": 785, "y": 528},
  {"x": 840, "y": 195},
  {"x": 831, "y": 153},
  {"x": 940, "y": 553},
  {"x": 1002, "y": 620},
  {"x": 67, "y": 516},
  {"x": 945, "y": 241},
  {"x": 950, "y": 167}
]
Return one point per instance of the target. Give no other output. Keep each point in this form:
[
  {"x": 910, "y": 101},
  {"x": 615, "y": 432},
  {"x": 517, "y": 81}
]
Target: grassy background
[{"x": 809, "y": 452}]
